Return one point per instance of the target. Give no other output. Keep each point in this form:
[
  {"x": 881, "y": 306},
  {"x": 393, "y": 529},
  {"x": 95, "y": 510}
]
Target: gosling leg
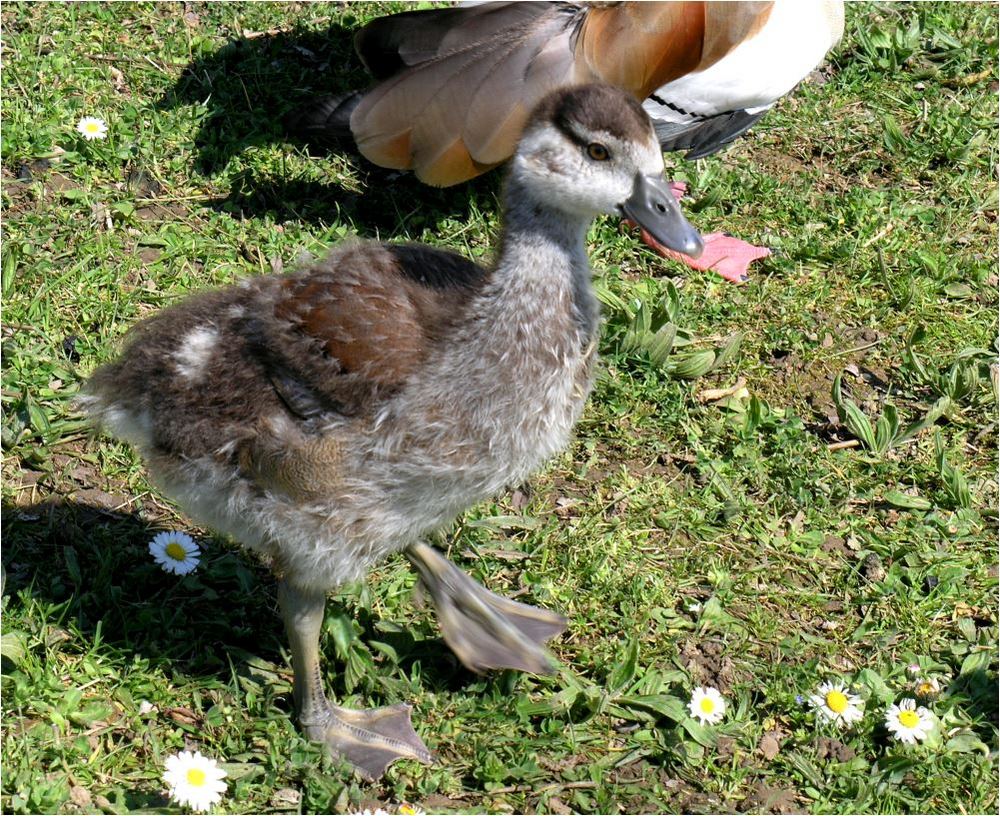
[
  {"x": 370, "y": 740},
  {"x": 485, "y": 630}
]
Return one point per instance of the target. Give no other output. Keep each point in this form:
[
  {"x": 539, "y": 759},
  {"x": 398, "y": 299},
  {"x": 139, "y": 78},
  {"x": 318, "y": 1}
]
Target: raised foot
[
  {"x": 485, "y": 630},
  {"x": 369, "y": 739}
]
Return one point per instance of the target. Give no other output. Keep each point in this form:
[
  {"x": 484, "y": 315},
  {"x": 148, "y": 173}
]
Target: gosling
[{"x": 331, "y": 417}]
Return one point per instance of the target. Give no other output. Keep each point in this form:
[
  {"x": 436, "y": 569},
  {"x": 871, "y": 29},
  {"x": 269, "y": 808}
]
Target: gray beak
[{"x": 652, "y": 206}]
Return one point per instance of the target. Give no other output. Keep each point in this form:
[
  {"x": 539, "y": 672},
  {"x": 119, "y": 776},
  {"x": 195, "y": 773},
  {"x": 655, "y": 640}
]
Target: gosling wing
[{"x": 345, "y": 334}]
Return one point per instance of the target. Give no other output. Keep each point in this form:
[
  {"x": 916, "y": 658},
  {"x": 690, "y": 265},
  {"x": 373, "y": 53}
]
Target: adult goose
[
  {"x": 330, "y": 417},
  {"x": 454, "y": 85}
]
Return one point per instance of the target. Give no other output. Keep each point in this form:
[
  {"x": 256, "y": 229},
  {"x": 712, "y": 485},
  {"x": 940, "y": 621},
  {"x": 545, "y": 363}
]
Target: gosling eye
[{"x": 598, "y": 152}]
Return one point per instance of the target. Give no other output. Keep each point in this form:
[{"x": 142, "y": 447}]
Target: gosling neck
[{"x": 543, "y": 255}]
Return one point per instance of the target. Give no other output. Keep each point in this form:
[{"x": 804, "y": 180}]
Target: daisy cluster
[
  {"x": 834, "y": 703},
  {"x": 909, "y": 723}
]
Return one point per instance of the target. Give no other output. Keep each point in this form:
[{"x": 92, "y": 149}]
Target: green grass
[{"x": 755, "y": 543}]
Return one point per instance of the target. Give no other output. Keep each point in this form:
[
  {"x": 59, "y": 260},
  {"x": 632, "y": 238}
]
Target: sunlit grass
[{"x": 751, "y": 542}]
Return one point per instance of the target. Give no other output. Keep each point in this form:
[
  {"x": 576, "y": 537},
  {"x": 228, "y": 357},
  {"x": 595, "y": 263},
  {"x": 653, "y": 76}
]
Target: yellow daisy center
[
  {"x": 707, "y": 705},
  {"x": 836, "y": 701},
  {"x": 925, "y": 689},
  {"x": 909, "y": 718},
  {"x": 91, "y": 127},
  {"x": 196, "y": 777},
  {"x": 177, "y": 552}
]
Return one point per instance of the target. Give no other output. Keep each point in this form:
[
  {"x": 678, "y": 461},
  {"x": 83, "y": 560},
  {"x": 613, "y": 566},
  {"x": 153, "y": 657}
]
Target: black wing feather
[{"x": 706, "y": 136}]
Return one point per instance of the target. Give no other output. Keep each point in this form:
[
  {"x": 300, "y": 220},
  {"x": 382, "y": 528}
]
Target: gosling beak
[{"x": 653, "y": 207}]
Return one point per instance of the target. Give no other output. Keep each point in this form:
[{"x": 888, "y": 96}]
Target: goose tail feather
[{"x": 325, "y": 120}]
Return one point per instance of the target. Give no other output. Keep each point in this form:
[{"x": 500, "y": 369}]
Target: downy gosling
[{"x": 336, "y": 415}]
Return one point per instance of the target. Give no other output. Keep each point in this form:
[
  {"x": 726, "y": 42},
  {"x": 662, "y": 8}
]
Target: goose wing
[
  {"x": 459, "y": 113},
  {"x": 699, "y": 135},
  {"x": 461, "y": 81}
]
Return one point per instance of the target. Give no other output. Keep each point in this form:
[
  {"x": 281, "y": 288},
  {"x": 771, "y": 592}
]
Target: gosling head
[{"x": 591, "y": 149}]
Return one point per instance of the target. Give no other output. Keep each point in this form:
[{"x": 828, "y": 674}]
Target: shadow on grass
[
  {"x": 392, "y": 205},
  {"x": 250, "y": 85},
  {"x": 88, "y": 569}
]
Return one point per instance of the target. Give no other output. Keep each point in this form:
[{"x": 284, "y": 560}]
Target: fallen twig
[{"x": 850, "y": 443}]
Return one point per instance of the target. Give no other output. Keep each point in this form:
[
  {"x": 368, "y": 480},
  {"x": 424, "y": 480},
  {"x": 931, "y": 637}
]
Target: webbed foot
[
  {"x": 485, "y": 630},
  {"x": 369, "y": 739}
]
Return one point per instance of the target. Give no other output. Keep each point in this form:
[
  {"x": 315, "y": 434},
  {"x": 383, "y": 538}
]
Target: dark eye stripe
[{"x": 570, "y": 133}]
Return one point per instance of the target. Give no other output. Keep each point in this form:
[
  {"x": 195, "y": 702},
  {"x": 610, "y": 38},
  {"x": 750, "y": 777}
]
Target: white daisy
[
  {"x": 175, "y": 552},
  {"x": 834, "y": 703},
  {"x": 92, "y": 128},
  {"x": 909, "y": 722},
  {"x": 707, "y": 705},
  {"x": 194, "y": 780}
]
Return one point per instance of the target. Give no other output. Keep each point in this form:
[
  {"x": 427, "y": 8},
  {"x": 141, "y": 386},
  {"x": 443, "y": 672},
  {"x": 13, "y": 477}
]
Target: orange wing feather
[
  {"x": 638, "y": 46},
  {"x": 727, "y": 24}
]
